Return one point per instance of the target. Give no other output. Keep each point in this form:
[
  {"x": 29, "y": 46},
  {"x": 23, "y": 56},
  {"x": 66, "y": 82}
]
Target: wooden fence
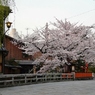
[{"x": 23, "y": 79}]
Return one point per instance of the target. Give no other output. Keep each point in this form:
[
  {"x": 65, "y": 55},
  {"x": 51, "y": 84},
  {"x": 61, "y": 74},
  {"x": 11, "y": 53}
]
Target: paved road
[{"x": 56, "y": 88}]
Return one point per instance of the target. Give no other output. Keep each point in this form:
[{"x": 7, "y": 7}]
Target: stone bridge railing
[{"x": 23, "y": 79}]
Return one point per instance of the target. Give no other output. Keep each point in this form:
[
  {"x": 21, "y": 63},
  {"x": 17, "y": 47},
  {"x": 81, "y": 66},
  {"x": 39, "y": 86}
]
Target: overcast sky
[{"x": 35, "y": 13}]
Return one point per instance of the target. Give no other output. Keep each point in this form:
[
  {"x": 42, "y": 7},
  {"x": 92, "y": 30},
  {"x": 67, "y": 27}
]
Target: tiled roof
[{"x": 25, "y": 62}]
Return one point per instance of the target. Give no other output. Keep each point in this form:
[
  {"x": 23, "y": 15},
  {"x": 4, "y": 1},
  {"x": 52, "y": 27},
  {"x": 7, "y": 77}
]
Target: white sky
[{"x": 35, "y": 13}]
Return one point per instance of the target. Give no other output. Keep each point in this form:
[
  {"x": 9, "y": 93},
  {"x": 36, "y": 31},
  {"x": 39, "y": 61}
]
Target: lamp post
[
  {"x": 3, "y": 50},
  {"x": 8, "y": 24},
  {"x": 4, "y": 12}
]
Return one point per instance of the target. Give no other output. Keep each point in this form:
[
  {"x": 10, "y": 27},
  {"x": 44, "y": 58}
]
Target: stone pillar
[{"x": 34, "y": 69}]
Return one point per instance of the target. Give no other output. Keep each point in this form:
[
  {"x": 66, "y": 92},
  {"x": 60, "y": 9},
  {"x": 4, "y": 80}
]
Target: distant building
[{"x": 14, "y": 34}]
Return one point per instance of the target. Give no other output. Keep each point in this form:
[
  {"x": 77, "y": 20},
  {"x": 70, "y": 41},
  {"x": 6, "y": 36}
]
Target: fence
[{"x": 22, "y": 79}]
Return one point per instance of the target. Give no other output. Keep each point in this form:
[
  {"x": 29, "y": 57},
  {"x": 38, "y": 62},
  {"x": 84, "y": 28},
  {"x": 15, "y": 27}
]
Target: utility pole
[
  {"x": 46, "y": 32},
  {"x": 27, "y": 30}
]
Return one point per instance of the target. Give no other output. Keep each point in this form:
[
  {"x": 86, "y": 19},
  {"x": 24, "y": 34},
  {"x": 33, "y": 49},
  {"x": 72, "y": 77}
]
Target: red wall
[{"x": 14, "y": 52}]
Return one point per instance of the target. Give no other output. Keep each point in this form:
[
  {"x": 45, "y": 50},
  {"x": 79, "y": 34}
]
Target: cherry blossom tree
[{"x": 64, "y": 40}]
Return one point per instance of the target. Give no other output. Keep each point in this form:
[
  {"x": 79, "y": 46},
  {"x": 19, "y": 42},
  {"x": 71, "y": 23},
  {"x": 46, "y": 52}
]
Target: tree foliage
[
  {"x": 92, "y": 69},
  {"x": 4, "y": 12},
  {"x": 56, "y": 44}
]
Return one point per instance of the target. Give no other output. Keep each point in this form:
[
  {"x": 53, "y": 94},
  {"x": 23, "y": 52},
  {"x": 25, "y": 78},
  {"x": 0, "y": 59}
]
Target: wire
[
  {"x": 73, "y": 16},
  {"x": 81, "y": 14}
]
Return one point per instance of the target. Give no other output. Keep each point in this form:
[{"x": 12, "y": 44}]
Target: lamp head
[{"x": 8, "y": 24}]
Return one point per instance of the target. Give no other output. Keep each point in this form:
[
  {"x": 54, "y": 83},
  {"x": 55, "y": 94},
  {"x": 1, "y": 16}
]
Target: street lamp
[
  {"x": 3, "y": 50},
  {"x": 4, "y": 12},
  {"x": 8, "y": 24}
]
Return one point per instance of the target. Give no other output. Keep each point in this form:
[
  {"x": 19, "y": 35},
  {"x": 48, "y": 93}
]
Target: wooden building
[{"x": 14, "y": 53}]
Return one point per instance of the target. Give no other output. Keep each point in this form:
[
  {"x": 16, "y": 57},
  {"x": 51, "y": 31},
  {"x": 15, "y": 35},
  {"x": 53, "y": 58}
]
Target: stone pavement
[{"x": 82, "y": 87}]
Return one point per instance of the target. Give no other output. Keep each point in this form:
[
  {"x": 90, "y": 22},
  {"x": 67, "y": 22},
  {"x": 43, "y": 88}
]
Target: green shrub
[{"x": 92, "y": 69}]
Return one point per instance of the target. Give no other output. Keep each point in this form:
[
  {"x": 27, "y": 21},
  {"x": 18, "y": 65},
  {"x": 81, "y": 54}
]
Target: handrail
[{"x": 22, "y": 79}]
